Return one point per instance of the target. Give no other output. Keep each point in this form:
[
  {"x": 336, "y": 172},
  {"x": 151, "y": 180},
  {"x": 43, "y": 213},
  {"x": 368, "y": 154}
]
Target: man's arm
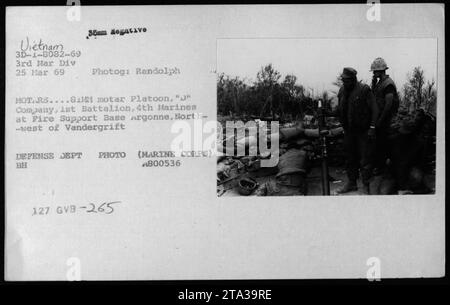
[
  {"x": 373, "y": 108},
  {"x": 389, "y": 100}
]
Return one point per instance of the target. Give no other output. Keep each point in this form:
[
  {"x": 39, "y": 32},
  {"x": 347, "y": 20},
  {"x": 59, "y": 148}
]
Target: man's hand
[
  {"x": 374, "y": 81},
  {"x": 371, "y": 133}
]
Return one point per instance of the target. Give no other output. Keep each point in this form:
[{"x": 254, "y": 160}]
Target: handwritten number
[
  {"x": 111, "y": 209},
  {"x": 93, "y": 208},
  {"x": 101, "y": 208}
]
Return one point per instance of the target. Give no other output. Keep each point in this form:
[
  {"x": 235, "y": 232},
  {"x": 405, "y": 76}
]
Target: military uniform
[
  {"x": 358, "y": 112},
  {"x": 385, "y": 86}
]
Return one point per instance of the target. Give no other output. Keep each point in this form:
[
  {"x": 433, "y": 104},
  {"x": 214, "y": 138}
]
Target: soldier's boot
[
  {"x": 366, "y": 189},
  {"x": 349, "y": 186},
  {"x": 366, "y": 179}
]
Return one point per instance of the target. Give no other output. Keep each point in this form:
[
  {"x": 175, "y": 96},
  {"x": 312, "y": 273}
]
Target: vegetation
[
  {"x": 271, "y": 96},
  {"x": 419, "y": 93}
]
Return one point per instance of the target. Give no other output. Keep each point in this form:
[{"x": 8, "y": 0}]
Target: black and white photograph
[
  {"x": 262, "y": 143},
  {"x": 356, "y": 116}
]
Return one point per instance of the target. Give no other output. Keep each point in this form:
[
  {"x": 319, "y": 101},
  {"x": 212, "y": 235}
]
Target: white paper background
[{"x": 170, "y": 224}]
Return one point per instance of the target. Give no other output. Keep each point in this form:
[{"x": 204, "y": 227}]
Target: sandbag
[
  {"x": 291, "y": 133},
  {"x": 292, "y": 161}
]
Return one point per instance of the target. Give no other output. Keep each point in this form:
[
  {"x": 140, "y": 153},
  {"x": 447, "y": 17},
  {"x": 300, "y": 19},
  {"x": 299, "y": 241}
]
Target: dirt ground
[{"x": 315, "y": 183}]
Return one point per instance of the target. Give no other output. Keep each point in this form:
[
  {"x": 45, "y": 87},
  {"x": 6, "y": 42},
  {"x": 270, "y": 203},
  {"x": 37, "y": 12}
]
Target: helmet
[
  {"x": 378, "y": 64},
  {"x": 247, "y": 186}
]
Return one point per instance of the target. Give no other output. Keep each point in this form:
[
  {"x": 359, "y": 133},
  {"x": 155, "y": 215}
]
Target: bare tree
[
  {"x": 267, "y": 79},
  {"x": 417, "y": 93},
  {"x": 337, "y": 83},
  {"x": 416, "y": 82},
  {"x": 430, "y": 96}
]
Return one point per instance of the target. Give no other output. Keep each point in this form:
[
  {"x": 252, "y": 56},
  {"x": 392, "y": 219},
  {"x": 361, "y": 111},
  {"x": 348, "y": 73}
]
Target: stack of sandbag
[{"x": 291, "y": 177}]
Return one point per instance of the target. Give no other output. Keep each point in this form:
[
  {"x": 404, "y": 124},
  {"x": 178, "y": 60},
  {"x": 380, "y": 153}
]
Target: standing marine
[
  {"x": 358, "y": 112},
  {"x": 385, "y": 91}
]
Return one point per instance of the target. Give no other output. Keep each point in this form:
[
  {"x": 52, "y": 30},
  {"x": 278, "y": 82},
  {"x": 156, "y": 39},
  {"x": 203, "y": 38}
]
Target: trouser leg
[
  {"x": 351, "y": 152},
  {"x": 366, "y": 149},
  {"x": 381, "y": 149}
]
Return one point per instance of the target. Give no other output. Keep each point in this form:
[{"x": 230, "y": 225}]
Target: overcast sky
[{"x": 317, "y": 62}]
